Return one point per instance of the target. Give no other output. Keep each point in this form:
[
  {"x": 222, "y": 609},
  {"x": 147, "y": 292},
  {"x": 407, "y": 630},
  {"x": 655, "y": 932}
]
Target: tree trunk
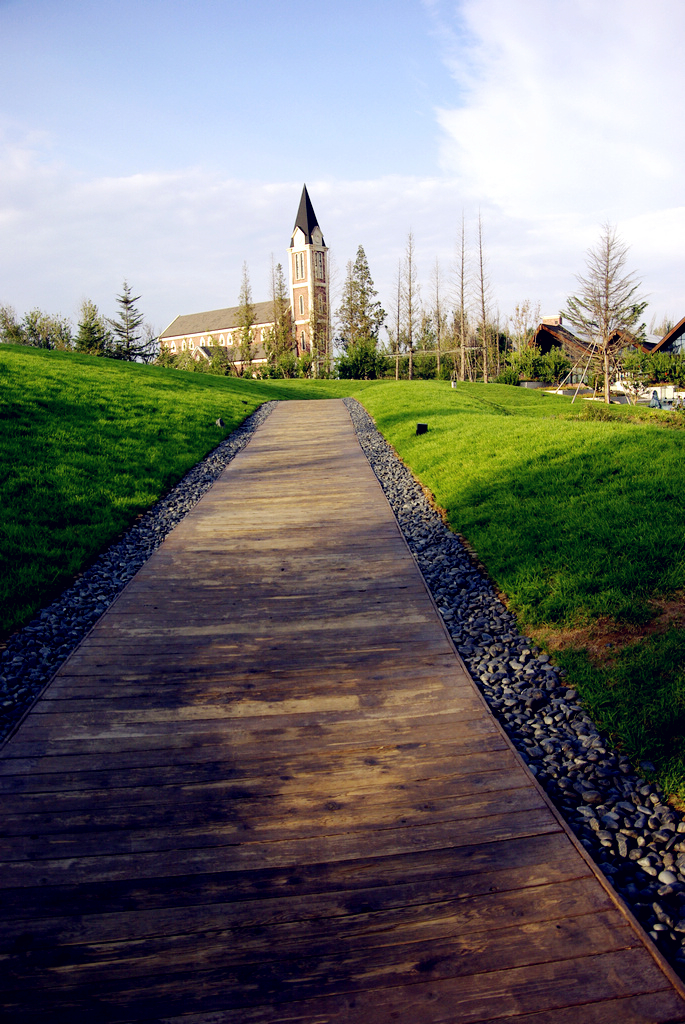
[{"x": 607, "y": 392}]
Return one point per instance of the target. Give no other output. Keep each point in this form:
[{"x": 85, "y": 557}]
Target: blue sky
[{"x": 167, "y": 142}]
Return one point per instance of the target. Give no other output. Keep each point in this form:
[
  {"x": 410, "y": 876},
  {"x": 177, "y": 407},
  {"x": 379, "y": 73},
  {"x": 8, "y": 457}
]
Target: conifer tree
[
  {"x": 92, "y": 337},
  {"x": 279, "y": 340},
  {"x": 246, "y": 319},
  {"x": 127, "y": 332},
  {"x": 360, "y": 315}
]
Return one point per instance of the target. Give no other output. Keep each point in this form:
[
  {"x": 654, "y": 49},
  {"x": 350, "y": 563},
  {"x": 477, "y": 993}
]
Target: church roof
[
  {"x": 214, "y": 320},
  {"x": 306, "y": 218}
]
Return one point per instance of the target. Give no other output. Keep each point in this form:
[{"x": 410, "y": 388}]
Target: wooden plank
[
  {"x": 23, "y": 812},
  {"x": 265, "y": 789},
  {"x": 209, "y": 850},
  {"x": 371, "y": 883}
]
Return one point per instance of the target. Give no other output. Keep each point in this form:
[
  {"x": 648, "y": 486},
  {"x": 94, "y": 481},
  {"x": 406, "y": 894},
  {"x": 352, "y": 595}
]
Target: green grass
[
  {"x": 86, "y": 444},
  {"x": 577, "y": 519}
]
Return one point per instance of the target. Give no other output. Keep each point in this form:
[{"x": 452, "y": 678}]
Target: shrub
[
  {"x": 363, "y": 361},
  {"x": 527, "y": 362},
  {"x": 509, "y": 376},
  {"x": 554, "y": 366}
]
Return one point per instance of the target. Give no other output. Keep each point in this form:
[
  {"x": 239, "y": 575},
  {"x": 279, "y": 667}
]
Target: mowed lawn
[
  {"x": 580, "y": 522},
  {"x": 86, "y": 444}
]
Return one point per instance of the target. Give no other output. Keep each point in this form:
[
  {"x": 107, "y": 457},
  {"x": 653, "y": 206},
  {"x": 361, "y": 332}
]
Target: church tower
[{"x": 309, "y": 286}]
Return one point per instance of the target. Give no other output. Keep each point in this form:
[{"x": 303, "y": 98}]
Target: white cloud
[
  {"x": 568, "y": 106},
  {"x": 570, "y": 115}
]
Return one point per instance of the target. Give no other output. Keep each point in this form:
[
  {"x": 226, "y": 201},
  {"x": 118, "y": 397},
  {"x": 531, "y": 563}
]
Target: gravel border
[
  {"x": 621, "y": 818},
  {"x": 34, "y": 653}
]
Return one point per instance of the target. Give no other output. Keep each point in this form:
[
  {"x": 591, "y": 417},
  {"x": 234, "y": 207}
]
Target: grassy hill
[
  {"x": 89, "y": 443},
  {"x": 577, "y": 511}
]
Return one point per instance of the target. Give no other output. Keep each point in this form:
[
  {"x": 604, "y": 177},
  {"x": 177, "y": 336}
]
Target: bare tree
[
  {"x": 439, "y": 315},
  {"x": 482, "y": 299},
  {"x": 396, "y": 334},
  {"x": 608, "y": 308},
  {"x": 410, "y": 299},
  {"x": 524, "y": 320},
  {"x": 461, "y": 277}
]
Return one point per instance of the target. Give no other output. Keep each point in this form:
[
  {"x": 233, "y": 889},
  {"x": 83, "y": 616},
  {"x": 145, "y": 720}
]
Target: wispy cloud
[{"x": 569, "y": 107}]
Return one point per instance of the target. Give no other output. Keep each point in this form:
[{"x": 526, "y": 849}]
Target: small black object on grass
[
  {"x": 219, "y": 422},
  {"x": 421, "y": 428}
]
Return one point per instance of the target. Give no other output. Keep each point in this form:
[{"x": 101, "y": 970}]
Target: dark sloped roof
[
  {"x": 669, "y": 339},
  {"x": 214, "y": 320},
  {"x": 549, "y": 335},
  {"x": 306, "y": 219}
]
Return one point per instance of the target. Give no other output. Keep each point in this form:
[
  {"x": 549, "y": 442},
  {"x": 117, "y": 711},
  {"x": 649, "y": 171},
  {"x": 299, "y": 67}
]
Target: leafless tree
[
  {"x": 410, "y": 299},
  {"x": 439, "y": 315},
  {"x": 607, "y": 310},
  {"x": 525, "y": 318},
  {"x": 461, "y": 281},
  {"x": 482, "y": 299},
  {"x": 395, "y": 332}
]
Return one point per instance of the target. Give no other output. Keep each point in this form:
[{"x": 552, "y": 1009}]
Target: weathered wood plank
[{"x": 371, "y": 883}]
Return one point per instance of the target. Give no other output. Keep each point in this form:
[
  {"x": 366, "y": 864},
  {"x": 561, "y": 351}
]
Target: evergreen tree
[
  {"x": 127, "y": 340},
  {"x": 360, "y": 315},
  {"x": 246, "y": 319},
  {"x": 93, "y": 336},
  {"x": 279, "y": 340}
]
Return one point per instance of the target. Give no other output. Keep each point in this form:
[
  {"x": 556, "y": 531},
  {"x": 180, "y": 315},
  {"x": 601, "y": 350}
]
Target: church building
[{"x": 201, "y": 333}]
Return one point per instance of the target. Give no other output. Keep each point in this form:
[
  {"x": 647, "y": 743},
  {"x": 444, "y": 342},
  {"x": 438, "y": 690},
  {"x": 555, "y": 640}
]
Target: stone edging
[{"x": 621, "y": 819}]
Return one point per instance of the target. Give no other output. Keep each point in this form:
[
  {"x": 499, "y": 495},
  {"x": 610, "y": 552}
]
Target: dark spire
[{"x": 306, "y": 218}]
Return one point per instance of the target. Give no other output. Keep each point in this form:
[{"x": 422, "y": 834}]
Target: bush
[
  {"x": 664, "y": 368},
  {"x": 509, "y": 376},
  {"x": 363, "y": 361},
  {"x": 554, "y": 366},
  {"x": 528, "y": 362}
]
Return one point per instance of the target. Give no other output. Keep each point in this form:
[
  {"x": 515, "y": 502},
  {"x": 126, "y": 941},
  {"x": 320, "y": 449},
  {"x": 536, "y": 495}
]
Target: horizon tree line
[
  {"x": 454, "y": 334},
  {"x": 125, "y": 336}
]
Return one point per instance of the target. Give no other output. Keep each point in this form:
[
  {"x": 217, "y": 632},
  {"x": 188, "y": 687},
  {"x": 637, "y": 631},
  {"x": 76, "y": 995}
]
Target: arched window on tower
[{"x": 301, "y": 305}]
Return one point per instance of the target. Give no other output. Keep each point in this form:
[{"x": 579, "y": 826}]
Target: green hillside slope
[{"x": 86, "y": 444}]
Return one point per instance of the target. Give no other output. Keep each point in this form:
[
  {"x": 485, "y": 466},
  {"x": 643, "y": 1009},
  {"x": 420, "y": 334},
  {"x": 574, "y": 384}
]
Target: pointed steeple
[{"x": 306, "y": 219}]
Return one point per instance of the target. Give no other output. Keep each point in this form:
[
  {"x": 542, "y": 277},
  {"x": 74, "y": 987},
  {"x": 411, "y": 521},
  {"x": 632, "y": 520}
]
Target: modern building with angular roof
[{"x": 201, "y": 333}]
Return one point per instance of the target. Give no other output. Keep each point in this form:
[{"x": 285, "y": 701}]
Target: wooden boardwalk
[{"x": 264, "y": 789}]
